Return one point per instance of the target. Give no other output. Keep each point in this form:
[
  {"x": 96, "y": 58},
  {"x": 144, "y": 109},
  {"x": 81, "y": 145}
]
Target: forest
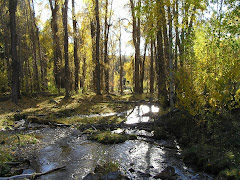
[{"x": 87, "y": 58}]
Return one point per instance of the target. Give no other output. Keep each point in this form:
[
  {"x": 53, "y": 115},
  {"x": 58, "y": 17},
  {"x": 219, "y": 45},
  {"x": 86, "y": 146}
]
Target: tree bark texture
[
  {"x": 106, "y": 58},
  {"x": 56, "y": 44},
  {"x": 15, "y": 61},
  {"x": 75, "y": 39},
  {"x": 67, "y": 69},
  {"x": 97, "y": 65}
]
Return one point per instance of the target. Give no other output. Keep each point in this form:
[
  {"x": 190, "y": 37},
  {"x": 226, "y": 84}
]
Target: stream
[{"x": 138, "y": 159}]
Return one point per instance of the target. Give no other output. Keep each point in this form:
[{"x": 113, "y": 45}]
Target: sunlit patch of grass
[
  {"x": 56, "y": 109},
  {"x": 107, "y": 137}
]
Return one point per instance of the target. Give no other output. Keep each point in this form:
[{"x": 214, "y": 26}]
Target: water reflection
[
  {"x": 139, "y": 112},
  {"x": 80, "y": 156},
  {"x": 139, "y": 159}
]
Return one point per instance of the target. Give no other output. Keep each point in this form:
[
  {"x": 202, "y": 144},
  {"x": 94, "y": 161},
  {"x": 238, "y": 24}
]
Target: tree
[
  {"x": 136, "y": 41},
  {"x": 162, "y": 92},
  {"x": 67, "y": 70},
  {"x": 106, "y": 57},
  {"x": 75, "y": 39},
  {"x": 56, "y": 43},
  {"x": 15, "y": 61},
  {"x": 171, "y": 84},
  {"x": 34, "y": 38},
  {"x": 97, "y": 65}
]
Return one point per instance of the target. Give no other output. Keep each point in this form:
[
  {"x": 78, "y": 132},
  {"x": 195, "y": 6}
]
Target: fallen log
[
  {"x": 32, "y": 176},
  {"x": 142, "y": 125}
]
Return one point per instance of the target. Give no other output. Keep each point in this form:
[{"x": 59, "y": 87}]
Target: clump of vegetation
[
  {"x": 210, "y": 141},
  {"x": 9, "y": 144},
  {"x": 106, "y": 167},
  {"x": 107, "y": 137}
]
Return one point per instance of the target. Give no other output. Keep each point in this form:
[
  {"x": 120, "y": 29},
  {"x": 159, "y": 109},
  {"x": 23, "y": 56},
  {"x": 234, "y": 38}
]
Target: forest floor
[
  {"x": 210, "y": 142},
  {"x": 49, "y": 110}
]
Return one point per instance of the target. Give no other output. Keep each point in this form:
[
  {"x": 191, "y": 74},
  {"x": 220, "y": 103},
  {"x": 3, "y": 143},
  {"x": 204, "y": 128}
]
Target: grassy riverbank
[{"x": 210, "y": 141}]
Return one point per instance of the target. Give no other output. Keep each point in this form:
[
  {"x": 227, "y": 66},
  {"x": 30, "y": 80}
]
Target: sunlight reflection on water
[{"x": 138, "y": 113}]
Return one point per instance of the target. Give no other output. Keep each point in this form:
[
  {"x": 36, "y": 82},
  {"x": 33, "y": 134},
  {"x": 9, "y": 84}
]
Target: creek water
[{"x": 138, "y": 159}]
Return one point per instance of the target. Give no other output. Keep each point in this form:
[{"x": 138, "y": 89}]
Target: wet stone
[
  {"x": 131, "y": 170},
  {"x": 167, "y": 173}
]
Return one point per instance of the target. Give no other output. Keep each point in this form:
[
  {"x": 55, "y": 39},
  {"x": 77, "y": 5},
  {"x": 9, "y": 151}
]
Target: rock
[
  {"x": 112, "y": 176},
  {"x": 144, "y": 175},
  {"x": 131, "y": 170},
  {"x": 53, "y": 101},
  {"x": 109, "y": 176},
  {"x": 19, "y": 116},
  {"x": 167, "y": 173},
  {"x": 91, "y": 176},
  {"x": 108, "y": 98},
  {"x": 20, "y": 123},
  {"x": 33, "y": 119}
]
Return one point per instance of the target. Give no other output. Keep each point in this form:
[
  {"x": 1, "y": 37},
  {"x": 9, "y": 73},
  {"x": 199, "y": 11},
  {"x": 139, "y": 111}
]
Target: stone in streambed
[{"x": 168, "y": 173}]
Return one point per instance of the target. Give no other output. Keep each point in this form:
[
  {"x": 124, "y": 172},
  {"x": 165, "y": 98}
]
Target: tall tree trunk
[
  {"x": 136, "y": 42},
  {"x": 75, "y": 39},
  {"x": 15, "y": 61},
  {"x": 120, "y": 61},
  {"x": 43, "y": 69},
  {"x": 97, "y": 67},
  {"x": 171, "y": 84},
  {"x": 67, "y": 70},
  {"x": 151, "y": 67},
  {"x": 142, "y": 67},
  {"x": 56, "y": 44},
  {"x": 177, "y": 41},
  {"x": 34, "y": 49},
  {"x": 162, "y": 92},
  {"x": 106, "y": 58},
  {"x": 93, "y": 35}
]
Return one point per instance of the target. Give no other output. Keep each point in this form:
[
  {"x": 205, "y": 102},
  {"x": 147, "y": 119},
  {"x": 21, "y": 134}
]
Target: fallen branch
[
  {"x": 32, "y": 176},
  {"x": 142, "y": 125}
]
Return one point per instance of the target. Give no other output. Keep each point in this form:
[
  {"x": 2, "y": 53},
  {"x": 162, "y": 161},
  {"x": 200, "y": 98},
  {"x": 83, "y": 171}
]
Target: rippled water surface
[{"x": 138, "y": 159}]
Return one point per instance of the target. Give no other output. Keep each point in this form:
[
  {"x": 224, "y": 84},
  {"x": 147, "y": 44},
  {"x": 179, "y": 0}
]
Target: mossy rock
[
  {"x": 109, "y": 138},
  {"x": 19, "y": 116}
]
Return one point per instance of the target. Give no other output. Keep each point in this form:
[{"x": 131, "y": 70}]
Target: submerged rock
[
  {"x": 109, "y": 176},
  {"x": 168, "y": 173},
  {"x": 91, "y": 176}
]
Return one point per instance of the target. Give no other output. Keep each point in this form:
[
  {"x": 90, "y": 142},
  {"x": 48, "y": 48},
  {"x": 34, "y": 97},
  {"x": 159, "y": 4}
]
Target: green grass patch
[
  {"x": 8, "y": 145},
  {"x": 107, "y": 137},
  {"x": 106, "y": 167}
]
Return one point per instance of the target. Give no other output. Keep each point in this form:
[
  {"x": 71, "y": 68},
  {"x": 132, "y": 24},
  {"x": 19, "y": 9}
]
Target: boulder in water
[{"x": 168, "y": 173}]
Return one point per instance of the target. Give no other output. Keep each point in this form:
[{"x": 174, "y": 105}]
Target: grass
[
  {"x": 56, "y": 109},
  {"x": 107, "y": 137},
  {"x": 9, "y": 143},
  {"x": 106, "y": 167}
]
